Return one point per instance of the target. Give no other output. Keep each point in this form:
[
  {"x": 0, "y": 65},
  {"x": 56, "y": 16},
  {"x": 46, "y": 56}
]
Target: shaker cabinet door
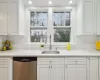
[
  {"x": 13, "y": 18},
  {"x": 43, "y": 72},
  {"x": 92, "y": 69},
  {"x": 75, "y": 72},
  {"x": 57, "y": 72},
  {"x": 88, "y": 19},
  {"x": 3, "y": 18}
]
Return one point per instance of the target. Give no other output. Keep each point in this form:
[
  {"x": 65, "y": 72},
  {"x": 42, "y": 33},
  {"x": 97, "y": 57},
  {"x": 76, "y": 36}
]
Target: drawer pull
[{"x": 49, "y": 66}]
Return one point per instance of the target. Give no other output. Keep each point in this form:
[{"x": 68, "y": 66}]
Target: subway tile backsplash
[{"x": 83, "y": 41}]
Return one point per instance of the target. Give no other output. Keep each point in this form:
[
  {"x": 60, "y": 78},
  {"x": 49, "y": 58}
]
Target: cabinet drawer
[
  {"x": 57, "y": 60},
  {"x": 43, "y": 60},
  {"x": 50, "y": 60},
  {"x": 75, "y": 61},
  {"x": 4, "y": 61}
]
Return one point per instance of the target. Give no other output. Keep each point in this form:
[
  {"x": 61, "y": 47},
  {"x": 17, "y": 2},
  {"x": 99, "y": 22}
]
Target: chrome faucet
[{"x": 50, "y": 46}]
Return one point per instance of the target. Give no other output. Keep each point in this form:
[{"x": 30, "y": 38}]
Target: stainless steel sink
[{"x": 50, "y": 52}]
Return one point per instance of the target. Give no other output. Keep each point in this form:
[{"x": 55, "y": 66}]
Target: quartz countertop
[{"x": 38, "y": 53}]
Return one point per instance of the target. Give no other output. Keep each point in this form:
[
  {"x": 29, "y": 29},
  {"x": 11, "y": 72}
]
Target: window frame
[{"x": 35, "y": 27}]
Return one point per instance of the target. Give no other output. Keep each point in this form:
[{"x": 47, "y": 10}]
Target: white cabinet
[
  {"x": 75, "y": 69},
  {"x": 85, "y": 21},
  {"x": 53, "y": 72},
  {"x": 68, "y": 68},
  {"x": 88, "y": 17},
  {"x": 92, "y": 68},
  {"x": 99, "y": 68},
  {"x": 3, "y": 18},
  {"x": 11, "y": 18},
  {"x": 75, "y": 72},
  {"x": 98, "y": 17},
  {"x": 5, "y": 69},
  {"x": 50, "y": 69},
  {"x": 57, "y": 72},
  {"x": 43, "y": 72}
]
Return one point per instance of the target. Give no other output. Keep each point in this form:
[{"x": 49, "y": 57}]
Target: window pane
[
  {"x": 38, "y": 19},
  {"x": 33, "y": 19},
  {"x": 38, "y": 35},
  {"x": 62, "y": 35},
  {"x": 61, "y": 18}
]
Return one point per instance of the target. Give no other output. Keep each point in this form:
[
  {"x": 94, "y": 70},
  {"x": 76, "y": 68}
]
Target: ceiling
[{"x": 44, "y": 3}]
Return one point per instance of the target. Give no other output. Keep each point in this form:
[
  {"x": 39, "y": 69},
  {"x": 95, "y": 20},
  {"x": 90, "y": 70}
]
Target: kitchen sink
[{"x": 50, "y": 52}]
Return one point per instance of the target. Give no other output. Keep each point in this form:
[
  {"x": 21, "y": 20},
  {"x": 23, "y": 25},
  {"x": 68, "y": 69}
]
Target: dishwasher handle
[{"x": 24, "y": 59}]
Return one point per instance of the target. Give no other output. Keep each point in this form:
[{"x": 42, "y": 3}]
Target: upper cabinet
[
  {"x": 11, "y": 18},
  {"x": 88, "y": 25},
  {"x": 3, "y": 18},
  {"x": 88, "y": 17},
  {"x": 98, "y": 16}
]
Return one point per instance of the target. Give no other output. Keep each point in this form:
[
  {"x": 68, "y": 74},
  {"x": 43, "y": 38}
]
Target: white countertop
[{"x": 36, "y": 53}]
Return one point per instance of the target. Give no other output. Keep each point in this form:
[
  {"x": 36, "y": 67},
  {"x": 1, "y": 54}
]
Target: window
[
  {"x": 61, "y": 18},
  {"x": 38, "y": 35},
  {"x": 60, "y": 28},
  {"x": 38, "y": 26},
  {"x": 62, "y": 35},
  {"x": 38, "y": 19}
]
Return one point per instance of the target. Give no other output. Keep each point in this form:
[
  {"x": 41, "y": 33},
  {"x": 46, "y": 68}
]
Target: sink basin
[{"x": 50, "y": 52}]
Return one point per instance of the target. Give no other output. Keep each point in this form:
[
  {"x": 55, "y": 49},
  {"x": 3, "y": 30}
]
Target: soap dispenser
[{"x": 68, "y": 47}]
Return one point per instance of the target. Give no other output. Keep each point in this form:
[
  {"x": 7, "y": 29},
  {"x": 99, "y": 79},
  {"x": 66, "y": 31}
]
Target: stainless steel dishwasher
[{"x": 25, "y": 68}]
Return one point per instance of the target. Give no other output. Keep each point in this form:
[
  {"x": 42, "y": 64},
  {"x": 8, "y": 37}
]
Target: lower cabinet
[
  {"x": 75, "y": 68},
  {"x": 43, "y": 72},
  {"x": 50, "y": 69},
  {"x": 75, "y": 72},
  {"x": 57, "y": 72},
  {"x": 5, "y": 69},
  {"x": 68, "y": 68},
  {"x": 93, "y": 68},
  {"x": 53, "y": 72}
]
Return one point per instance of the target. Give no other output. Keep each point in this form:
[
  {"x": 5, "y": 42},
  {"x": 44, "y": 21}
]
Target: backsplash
[
  {"x": 86, "y": 41},
  {"x": 83, "y": 41},
  {"x": 2, "y": 38}
]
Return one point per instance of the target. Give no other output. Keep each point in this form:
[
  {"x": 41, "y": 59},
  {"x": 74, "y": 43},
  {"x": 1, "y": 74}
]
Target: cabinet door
[
  {"x": 98, "y": 17},
  {"x": 43, "y": 72},
  {"x": 4, "y": 73},
  {"x": 3, "y": 18},
  {"x": 13, "y": 18},
  {"x": 92, "y": 69},
  {"x": 5, "y": 69},
  {"x": 88, "y": 23},
  {"x": 57, "y": 72},
  {"x": 75, "y": 72}
]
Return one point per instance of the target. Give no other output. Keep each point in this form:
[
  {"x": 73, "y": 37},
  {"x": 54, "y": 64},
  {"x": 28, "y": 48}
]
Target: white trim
[
  {"x": 10, "y": 68},
  {"x": 62, "y": 26},
  {"x": 38, "y": 27}
]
